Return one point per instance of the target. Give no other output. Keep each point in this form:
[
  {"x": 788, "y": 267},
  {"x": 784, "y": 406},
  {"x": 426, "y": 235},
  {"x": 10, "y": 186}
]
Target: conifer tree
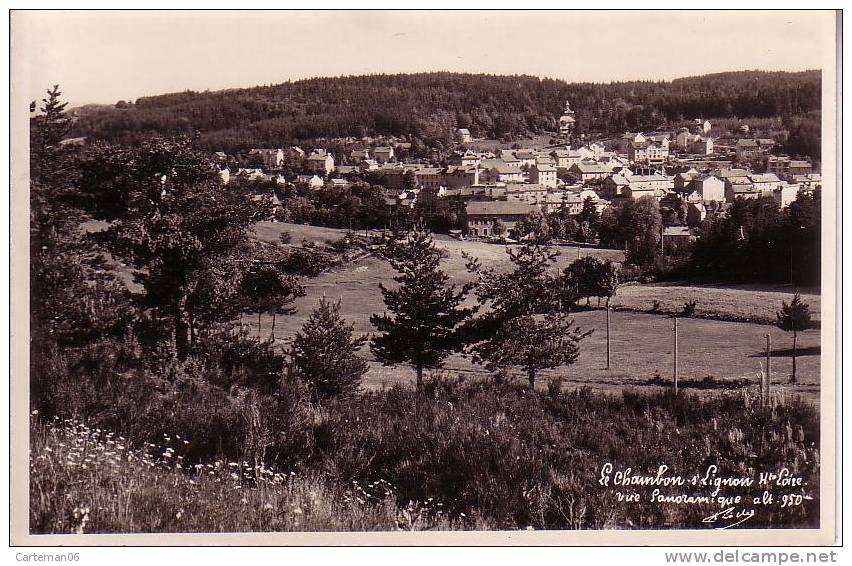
[
  {"x": 424, "y": 311},
  {"x": 325, "y": 352},
  {"x": 794, "y": 317},
  {"x": 523, "y": 326}
]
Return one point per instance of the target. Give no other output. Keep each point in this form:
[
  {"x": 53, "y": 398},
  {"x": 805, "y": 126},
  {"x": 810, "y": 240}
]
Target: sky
[{"x": 104, "y": 56}]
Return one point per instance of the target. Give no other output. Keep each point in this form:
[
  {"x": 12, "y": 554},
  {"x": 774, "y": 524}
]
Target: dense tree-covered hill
[{"x": 429, "y": 106}]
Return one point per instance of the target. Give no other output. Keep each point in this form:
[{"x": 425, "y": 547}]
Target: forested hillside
[{"x": 428, "y": 106}]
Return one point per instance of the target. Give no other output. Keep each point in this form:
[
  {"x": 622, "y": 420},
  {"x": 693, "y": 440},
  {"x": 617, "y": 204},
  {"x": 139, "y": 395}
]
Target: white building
[{"x": 543, "y": 175}]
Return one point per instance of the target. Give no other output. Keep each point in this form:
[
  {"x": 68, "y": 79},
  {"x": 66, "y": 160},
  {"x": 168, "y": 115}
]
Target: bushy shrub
[
  {"x": 233, "y": 358},
  {"x": 325, "y": 352}
]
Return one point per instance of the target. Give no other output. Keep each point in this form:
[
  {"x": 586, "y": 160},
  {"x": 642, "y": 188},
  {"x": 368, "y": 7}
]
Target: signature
[{"x": 731, "y": 513}]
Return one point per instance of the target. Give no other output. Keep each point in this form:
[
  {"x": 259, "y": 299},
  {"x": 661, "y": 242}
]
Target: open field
[
  {"x": 641, "y": 343},
  {"x": 747, "y": 303}
]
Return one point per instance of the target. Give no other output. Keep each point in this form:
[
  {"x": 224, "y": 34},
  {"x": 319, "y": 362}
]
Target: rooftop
[
  {"x": 478, "y": 208},
  {"x": 764, "y": 178}
]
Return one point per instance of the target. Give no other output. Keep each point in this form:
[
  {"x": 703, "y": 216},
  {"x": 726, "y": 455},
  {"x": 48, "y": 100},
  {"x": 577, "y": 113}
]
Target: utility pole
[
  {"x": 607, "y": 334},
  {"x": 768, "y": 369},
  {"x": 675, "y": 355}
]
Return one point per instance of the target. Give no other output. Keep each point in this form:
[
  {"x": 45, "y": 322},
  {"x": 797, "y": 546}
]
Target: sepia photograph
[{"x": 455, "y": 276}]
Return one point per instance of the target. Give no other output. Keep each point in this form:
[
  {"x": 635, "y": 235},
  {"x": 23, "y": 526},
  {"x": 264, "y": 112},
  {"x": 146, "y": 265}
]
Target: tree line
[{"x": 427, "y": 107}]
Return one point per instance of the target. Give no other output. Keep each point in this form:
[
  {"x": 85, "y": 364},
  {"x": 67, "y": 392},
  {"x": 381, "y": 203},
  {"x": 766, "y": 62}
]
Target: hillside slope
[{"x": 428, "y": 106}]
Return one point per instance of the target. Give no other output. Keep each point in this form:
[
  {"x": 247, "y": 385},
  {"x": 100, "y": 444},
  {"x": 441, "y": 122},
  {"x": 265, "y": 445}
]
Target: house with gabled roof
[
  {"x": 383, "y": 154},
  {"x": 765, "y": 182},
  {"x": 499, "y": 172},
  {"x": 707, "y": 188},
  {"x": 359, "y": 155},
  {"x": 310, "y": 181},
  {"x": 586, "y": 171},
  {"x": 320, "y": 162},
  {"x": 482, "y": 215},
  {"x": 544, "y": 175},
  {"x": 785, "y": 193},
  {"x": 740, "y": 187},
  {"x": 271, "y": 158}
]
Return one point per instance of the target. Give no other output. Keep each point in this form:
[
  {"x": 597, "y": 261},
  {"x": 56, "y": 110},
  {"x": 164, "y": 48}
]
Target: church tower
[{"x": 566, "y": 123}]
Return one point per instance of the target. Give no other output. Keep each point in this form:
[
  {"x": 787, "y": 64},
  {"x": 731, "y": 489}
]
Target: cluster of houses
[{"x": 504, "y": 186}]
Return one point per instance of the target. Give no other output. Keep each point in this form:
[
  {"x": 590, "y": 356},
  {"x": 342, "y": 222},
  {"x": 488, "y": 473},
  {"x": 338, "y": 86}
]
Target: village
[
  {"x": 423, "y": 274},
  {"x": 697, "y": 168}
]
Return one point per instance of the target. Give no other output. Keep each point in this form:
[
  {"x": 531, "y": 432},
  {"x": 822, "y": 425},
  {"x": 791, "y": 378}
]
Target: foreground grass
[
  {"x": 457, "y": 455},
  {"x": 86, "y": 480}
]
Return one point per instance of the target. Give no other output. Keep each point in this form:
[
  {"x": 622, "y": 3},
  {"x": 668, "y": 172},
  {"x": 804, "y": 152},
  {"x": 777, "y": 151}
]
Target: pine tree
[
  {"x": 527, "y": 289},
  {"x": 425, "y": 310},
  {"x": 523, "y": 326},
  {"x": 532, "y": 343},
  {"x": 794, "y": 317},
  {"x": 52, "y": 125},
  {"x": 75, "y": 297},
  {"x": 172, "y": 220},
  {"x": 325, "y": 352},
  {"x": 266, "y": 289}
]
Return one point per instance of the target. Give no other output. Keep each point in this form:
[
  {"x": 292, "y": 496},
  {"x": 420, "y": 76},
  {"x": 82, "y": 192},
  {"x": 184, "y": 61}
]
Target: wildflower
[
  {"x": 179, "y": 514},
  {"x": 268, "y": 507}
]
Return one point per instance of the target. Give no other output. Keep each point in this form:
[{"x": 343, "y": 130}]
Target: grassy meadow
[{"x": 640, "y": 342}]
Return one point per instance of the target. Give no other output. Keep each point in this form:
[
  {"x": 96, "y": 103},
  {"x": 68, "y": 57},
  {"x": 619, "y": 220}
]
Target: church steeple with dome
[{"x": 566, "y": 122}]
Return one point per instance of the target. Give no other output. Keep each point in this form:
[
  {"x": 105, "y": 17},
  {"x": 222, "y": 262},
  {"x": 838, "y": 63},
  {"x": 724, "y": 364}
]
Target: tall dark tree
[
  {"x": 424, "y": 310},
  {"x": 642, "y": 223},
  {"x": 794, "y": 317},
  {"x": 265, "y": 288},
  {"x": 172, "y": 220},
  {"x": 529, "y": 288},
  {"x": 522, "y": 326},
  {"x": 758, "y": 241},
  {"x": 74, "y": 294}
]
